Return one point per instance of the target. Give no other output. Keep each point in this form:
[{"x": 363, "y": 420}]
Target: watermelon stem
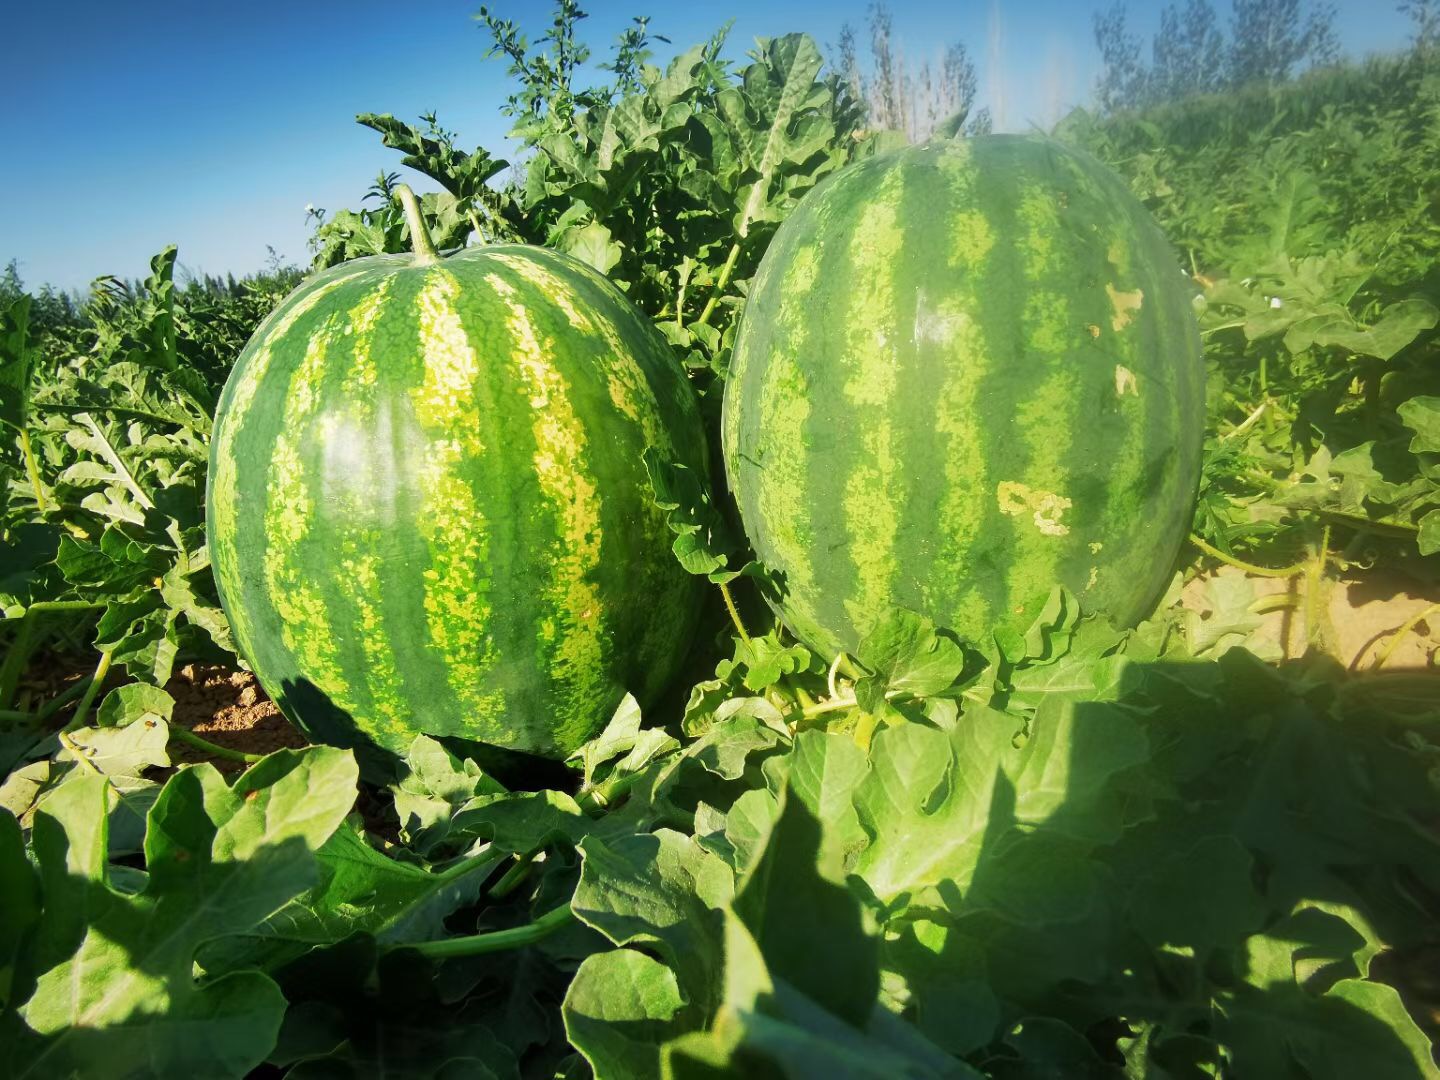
[
  {"x": 734, "y": 613},
  {"x": 420, "y": 241},
  {"x": 495, "y": 940},
  {"x": 185, "y": 735},
  {"x": 1410, "y": 624},
  {"x": 102, "y": 669},
  {"x": 1249, "y": 568},
  {"x": 720, "y": 283}
]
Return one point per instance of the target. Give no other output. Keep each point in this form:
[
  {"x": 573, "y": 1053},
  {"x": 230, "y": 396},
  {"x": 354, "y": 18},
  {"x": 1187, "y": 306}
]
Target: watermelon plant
[
  {"x": 427, "y": 506},
  {"x": 965, "y": 371}
]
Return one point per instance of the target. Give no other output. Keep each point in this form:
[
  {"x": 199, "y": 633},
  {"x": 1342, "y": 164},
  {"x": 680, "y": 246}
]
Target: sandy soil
[
  {"x": 228, "y": 708},
  {"x": 1356, "y": 620}
]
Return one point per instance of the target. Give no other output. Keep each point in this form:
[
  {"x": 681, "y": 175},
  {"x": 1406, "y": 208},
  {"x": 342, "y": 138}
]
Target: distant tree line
[
  {"x": 1266, "y": 42},
  {"x": 896, "y": 95},
  {"x": 51, "y": 309}
]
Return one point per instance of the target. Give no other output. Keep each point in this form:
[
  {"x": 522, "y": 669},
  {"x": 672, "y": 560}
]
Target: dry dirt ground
[
  {"x": 1356, "y": 619},
  {"x": 229, "y": 709}
]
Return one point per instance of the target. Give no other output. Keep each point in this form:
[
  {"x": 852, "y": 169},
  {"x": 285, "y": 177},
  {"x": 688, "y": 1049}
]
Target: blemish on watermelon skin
[
  {"x": 1016, "y": 499},
  {"x": 1124, "y": 304}
]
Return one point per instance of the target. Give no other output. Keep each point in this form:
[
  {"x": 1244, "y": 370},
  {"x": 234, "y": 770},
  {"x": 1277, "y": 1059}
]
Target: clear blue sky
[{"x": 211, "y": 126}]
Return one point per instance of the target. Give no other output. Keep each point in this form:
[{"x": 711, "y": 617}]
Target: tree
[
  {"x": 1124, "y": 81},
  {"x": 1269, "y": 42},
  {"x": 917, "y": 102},
  {"x": 1424, "y": 22},
  {"x": 1189, "y": 52}
]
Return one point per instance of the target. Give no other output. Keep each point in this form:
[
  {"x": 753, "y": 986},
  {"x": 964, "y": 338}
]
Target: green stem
[
  {"x": 420, "y": 240},
  {"x": 101, "y": 670},
  {"x": 603, "y": 795},
  {"x": 16, "y": 659},
  {"x": 720, "y": 283},
  {"x": 511, "y": 879},
  {"x": 1402, "y": 633},
  {"x": 865, "y": 730},
  {"x": 60, "y": 700},
  {"x": 830, "y": 677},
  {"x": 734, "y": 613},
  {"x": 832, "y": 705},
  {"x": 464, "y": 866},
  {"x": 1249, "y": 421},
  {"x": 17, "y": 716},
  {"x": 495, "y": 941},
  {"x": 77, "y": 753},
  {"x": 31, "y": 469},
  {"x": 185, "y": 735},
  {"x": 1317, "y": 621},
  {"x": 1249, "y": 568}
]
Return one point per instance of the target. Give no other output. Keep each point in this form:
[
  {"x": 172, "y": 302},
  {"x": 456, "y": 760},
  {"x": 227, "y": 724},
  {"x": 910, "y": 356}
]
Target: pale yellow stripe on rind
[
  {"x": 361, "y": 374},
  {"x": 778, "y": 440},
  {"x": 573, "y": 635},
  {"x": 872, "y": 353},
  {"x": 631, "y": 395},
  {"x": 555, "y": 288},
  {"x": 304, "y": 615},
  {"x": 359, "y": 570},
  {"x": 457, "y": 588},
  {"x": 224, "y": 492},
  {"x": 964, "y": 502},
  {"x": 625, "y": 380},
  {"x": 1046, "y": 412},
  {"x": 965, "y": 499}
]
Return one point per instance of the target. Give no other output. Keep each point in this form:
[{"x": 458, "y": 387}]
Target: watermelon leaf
[
  {"x": 219, "y": 860},
  {"x": 908, "y": 654}
]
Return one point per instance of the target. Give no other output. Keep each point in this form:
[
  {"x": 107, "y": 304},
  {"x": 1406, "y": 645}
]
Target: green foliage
[
  {"x": 106, "y": 419},
  {"x": 1305, "y": 216},
  {"x": 1071, "y": 850},
  {"x": 670, "y": 181}
]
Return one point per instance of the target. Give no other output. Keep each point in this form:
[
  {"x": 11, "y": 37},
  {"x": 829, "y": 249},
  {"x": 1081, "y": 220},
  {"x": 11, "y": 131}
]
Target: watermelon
[
  {"x": 966, "y": 371},
  {"x": 428, "y": 511}
]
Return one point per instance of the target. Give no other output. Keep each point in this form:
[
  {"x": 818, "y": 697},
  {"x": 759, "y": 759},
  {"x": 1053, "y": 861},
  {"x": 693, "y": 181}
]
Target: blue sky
[{"x": 212, "y": 126}]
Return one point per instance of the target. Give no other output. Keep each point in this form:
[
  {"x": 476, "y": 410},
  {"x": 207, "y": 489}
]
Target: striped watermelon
[
  {"x": 428, "y": 510},
  {"x": 966, "y": 371}
]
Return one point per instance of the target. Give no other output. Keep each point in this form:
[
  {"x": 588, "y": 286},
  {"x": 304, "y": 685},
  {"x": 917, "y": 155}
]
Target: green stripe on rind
[
  {"x": 1039, "y": 496},
  {"x": 298, "y": 598},
  {"x": 360, "y": 482},
  {"x": 1155, "y": 470},
  {"x": 628, "y": 366},
  {"x": 767, "y": 457}
]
